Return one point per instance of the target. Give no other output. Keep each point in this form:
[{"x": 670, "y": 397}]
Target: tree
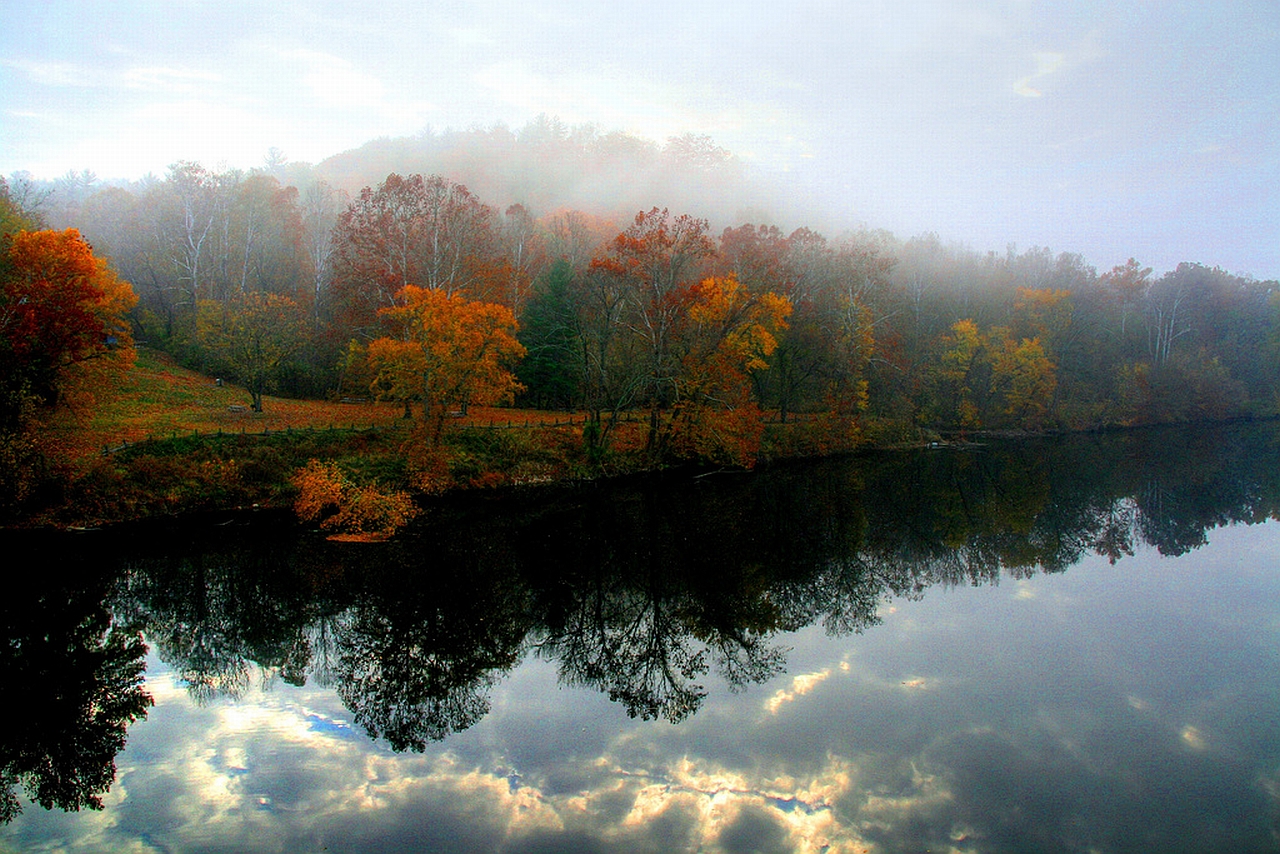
[
  {"x": 254, "y": 334},
  {"x": 1126, "y": 284},
  {"x": 727, "y": 335},
  {"x": 552, "y": 370},
  {"x": 186, "y": 218},
  {"x": 426, "y": 232},
  {"x": 1022, "y": 375},
  {"x": 452, "y": 352},
  {"x": 522, "y": 251},
  {"x": 962, "y": 376},
  {"x": 319, "y": 205},
  {"x": 62, "y": 309},
  {"x": 653, "y": 261}
]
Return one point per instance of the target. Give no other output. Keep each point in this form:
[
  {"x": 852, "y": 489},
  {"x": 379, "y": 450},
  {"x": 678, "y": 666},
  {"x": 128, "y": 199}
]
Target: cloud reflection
[
  {"x": 275, "y": 772},
  {"x": 800, "y": 685}
]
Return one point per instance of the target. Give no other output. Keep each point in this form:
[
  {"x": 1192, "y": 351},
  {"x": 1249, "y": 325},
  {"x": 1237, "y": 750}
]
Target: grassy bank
[{"x": 170, "y": 441}]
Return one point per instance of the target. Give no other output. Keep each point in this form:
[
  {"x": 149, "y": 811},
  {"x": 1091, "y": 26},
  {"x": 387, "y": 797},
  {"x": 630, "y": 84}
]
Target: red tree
[{"x": 61, "y": 307}]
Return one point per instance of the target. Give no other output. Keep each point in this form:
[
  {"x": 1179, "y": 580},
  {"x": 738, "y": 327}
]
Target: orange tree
[
  {"x": 61, "y": 308},
  {"x": 451, "y": 352},
  {"x": 727, "y": 333}
]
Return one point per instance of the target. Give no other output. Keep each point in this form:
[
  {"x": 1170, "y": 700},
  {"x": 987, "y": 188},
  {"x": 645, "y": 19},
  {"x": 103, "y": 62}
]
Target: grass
[
  {"x": 182, "y": 442},
  {"x": 160, "y": 399}
]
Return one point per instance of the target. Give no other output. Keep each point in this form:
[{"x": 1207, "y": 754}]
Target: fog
[{"x": 1138, "y": 129}]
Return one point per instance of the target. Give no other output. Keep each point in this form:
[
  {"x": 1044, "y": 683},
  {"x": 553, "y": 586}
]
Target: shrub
[{"x": 347, "y": 509}]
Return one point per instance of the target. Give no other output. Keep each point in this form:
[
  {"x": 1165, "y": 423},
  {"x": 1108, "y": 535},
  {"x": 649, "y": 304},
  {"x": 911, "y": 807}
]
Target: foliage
[
  {"x": 728, "y": 334},
  {"x": 328, "y": 496},
  {"x": 254, "y": 335},
  {"x": 993, "y": 379},
  {"x": 410, "y": 292},
  {"x": 64, "y": 341},
  {"x": 652, "y": 265},
  {"x": 415, "y": 230},
  {"x": 61, "y": 310},
  {"x": 454, "y": 352},
  {"x": 552, "y": 370},
  {"x": 1023, "y": 379}
]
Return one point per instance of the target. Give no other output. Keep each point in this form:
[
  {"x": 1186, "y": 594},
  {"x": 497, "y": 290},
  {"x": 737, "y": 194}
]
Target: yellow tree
[
  {"x": 452, "y": 352},
  {"x": 728, "y": 333},
  {"x": 1023, "y": 377},
  {"x": 960, "y": 373},
  {"x": 850, "y": 344},
  {"x": 255, "y": 334}
]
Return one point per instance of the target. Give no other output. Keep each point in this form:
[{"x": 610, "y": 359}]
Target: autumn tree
[
  {"x": 259, "y": 245},
  {"x": 1023, "y": 379},
  {"x": 451, "y": 352},
  {"x": 1126, "y": 284},
  {"x": 254, "y": 335},
  {"x": 420, "y": 231},
  {"x": 728, "y": 333},
  {"x": 652, "y": 262},
  {"x": 994, "y": 378},
  {"x": 962, "y": 376},
  {"x": 62, "y": 309},
  {"x": 63, "y": 337}
]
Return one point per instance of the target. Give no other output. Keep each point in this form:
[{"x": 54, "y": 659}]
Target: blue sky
[{"x": 1113, "y": 129}]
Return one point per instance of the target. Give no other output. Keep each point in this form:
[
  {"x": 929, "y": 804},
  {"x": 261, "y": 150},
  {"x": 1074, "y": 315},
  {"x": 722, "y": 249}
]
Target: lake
[{"x": 1066, "y": 644}]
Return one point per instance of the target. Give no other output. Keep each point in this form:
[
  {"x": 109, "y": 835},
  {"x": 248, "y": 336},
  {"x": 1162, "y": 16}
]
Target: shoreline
[{"x": 61, "y": 519}]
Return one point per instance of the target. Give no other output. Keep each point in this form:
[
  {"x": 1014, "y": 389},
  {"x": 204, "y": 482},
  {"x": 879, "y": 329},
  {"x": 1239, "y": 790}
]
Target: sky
[{"x": 1114, "y": 129}]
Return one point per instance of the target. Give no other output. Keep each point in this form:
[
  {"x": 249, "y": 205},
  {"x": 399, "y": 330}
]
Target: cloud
[
  {"x": 1046, "y": 64},
  {"x": 800, "y": 685},
  {"x": 167, "y": 80},
  {"x": 52, "y": 73}
]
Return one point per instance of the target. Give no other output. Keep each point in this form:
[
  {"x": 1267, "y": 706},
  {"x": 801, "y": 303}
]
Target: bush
[{"x": 347, "y": 509}]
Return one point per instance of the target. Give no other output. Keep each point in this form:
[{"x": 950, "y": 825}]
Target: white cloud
[
  {"x": 53, "y": 73},
  {"x": 161, "y": 79},
  {"x": 800, "y": 685},
  {"x": 1046, "y": 64}
]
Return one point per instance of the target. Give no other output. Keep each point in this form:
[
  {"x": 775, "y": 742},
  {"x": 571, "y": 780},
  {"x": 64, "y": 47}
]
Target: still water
[{"x": 1062, "y": 645}]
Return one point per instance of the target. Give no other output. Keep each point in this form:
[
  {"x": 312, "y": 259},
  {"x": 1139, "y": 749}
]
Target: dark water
[{"x": 1067, "y": 645}]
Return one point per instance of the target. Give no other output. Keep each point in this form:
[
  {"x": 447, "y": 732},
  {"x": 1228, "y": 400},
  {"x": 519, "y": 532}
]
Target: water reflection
[
  {"x": 73, "y": 681},
  {"x": 643, "y": 592}
]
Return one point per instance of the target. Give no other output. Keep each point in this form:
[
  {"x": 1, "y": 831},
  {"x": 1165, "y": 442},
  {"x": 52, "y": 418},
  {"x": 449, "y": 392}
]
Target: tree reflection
[
  {"x": 72, "y": 679},
  {"x": 417, "y": 654},
  {"x": 647, "y": 590},
  {"x": 240, "y": 604}
]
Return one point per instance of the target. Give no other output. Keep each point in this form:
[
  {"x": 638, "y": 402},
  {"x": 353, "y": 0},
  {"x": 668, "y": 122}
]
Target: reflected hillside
[{"x": 645, "y": 591}]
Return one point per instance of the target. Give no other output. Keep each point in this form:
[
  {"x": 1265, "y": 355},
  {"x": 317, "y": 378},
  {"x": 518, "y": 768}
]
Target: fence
[
  {"x": 472, "y": 424},
  {"x": 492, "y": 424}
]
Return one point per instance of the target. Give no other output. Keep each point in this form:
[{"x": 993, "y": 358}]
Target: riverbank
[{"x": 175, "y": 443}]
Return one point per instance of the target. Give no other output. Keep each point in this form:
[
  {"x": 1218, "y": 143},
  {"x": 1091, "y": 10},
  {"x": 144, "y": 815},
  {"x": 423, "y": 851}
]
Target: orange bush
[{"x": 327, "y": 495}]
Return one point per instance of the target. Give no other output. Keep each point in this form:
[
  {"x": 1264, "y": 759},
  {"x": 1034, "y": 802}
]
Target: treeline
[{"x": 418, "y": 290}]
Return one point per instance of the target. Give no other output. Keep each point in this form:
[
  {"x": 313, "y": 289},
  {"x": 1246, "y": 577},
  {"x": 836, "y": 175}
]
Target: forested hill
[
  {"x": 548, "y": 166},
  {"x": 569, "y": 269}
]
